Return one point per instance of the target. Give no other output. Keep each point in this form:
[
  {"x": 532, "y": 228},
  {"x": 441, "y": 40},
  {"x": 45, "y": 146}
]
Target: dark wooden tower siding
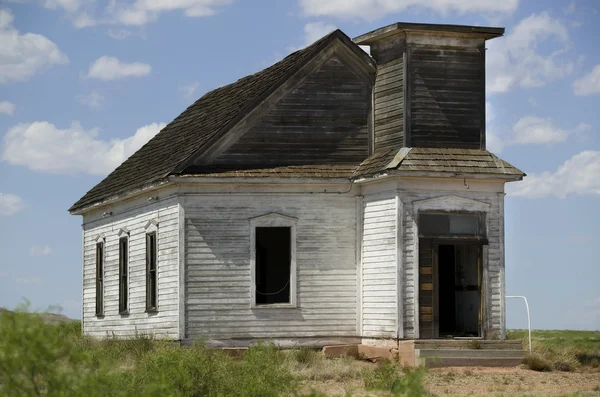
[
  {"x": 430, "y": 86},
  {"x": 447, "y": 97},
  {"x": 388, "y": 95},
  {"x": 322, "y": 121}
]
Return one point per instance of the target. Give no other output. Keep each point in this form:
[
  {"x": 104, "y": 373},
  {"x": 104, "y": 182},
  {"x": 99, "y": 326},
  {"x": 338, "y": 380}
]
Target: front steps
[{"x": 466, "y": 353}]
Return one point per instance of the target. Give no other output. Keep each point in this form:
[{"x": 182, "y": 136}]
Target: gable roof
[
  {"x": 214, "y": 113},
  {"x": 444, "y": 161}
]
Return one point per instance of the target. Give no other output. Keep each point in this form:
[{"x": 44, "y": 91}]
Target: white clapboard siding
[
  {"x": 494, "y": 251},
  {"x": 379, "y": 267},
  {"x": 162, "y": 324},
  {"x": 218, "y": 267}
]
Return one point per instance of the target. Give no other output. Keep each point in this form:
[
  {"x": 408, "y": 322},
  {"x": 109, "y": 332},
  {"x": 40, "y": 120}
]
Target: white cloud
[
  {"x": 315, "y": 30},
  {"x": 93, "y": 100},
  {"x": 67, "y": 5},
  {"x": 23, "y": 55},
  {"x": 538, "y": 130},
  {"x": 578, "y": 175},
  {"x": 142, "y": 12},
  {"x": 188, "y": 90},
  {"x": 38, "y": 250},
  {"x": 493, "y": 141},
  {"x": 570, "y": 8},
  {"x": 110, "y": 68},
  {"x": 28, "y": 281},
  {"x": 43, "y": 147},
  {"x": 7, "y": 108},
  {"x": 516, "y": 60},
  {"x": 10, "y": 204},
  {"x": 119, "y": 34},
  {"x": 588, "y": 84},
  {"x": 375, "y": 9}
]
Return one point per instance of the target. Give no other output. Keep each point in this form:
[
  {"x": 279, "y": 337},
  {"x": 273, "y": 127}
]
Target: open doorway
[
  {"x": 450, "y": 278},
  {"x": 459, "y": 281}
]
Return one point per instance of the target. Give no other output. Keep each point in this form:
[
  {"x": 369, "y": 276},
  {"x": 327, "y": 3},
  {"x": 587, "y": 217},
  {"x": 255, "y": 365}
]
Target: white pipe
[{"x": 528, "y": 317}]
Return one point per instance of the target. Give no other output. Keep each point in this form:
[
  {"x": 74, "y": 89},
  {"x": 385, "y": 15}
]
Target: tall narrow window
[
  {"x": 100, "y": 279},
  {"x": 123, "y": 275},
  {"x": 273, "y": 265},
  {"x": 151, "y": 286}
]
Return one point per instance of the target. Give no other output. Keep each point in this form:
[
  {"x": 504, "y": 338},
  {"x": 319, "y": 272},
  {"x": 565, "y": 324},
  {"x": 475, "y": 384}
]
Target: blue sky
[{"x": 84, "y": 83}]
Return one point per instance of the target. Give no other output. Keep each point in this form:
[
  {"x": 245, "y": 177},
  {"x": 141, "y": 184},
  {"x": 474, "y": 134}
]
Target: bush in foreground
[{"x": 55, "y": 360}]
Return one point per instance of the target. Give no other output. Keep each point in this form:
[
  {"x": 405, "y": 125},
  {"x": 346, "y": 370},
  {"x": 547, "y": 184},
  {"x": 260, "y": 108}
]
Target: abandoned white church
[{"x": 334, "y": 197}]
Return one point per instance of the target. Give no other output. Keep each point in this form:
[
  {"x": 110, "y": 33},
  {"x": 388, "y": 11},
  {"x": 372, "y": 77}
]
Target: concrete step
[
  {"x": 431, "y": 362},
  {"x": 469, "y": 353},
  {"x": 473, "y": 344}
]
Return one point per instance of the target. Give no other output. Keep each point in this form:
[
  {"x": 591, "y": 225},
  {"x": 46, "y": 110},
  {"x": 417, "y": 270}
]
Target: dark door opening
[
  {"x": 459, "y": 281},
  {"x": 273, "y": 263}
]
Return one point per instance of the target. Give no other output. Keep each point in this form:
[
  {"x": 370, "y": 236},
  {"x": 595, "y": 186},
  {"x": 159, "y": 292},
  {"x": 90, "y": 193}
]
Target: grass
[
  {"x": 561, "y": 350},
  {"x": 55, "y": 360}
]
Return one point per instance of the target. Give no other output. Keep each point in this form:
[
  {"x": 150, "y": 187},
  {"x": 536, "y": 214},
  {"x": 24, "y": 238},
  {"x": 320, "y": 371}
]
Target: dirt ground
[
  {"x": 478, "y": 381},
  {"x": 512, "y": 382}
]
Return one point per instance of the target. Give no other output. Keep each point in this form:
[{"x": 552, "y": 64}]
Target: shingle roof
[
  {"x": 213, "y": 113},
  {"x": 438, "y": 160},
  {"x": 294, "y": 171}
]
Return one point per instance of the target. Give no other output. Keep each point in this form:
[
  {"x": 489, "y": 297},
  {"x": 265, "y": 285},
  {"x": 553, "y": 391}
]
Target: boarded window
[
  {"x": 273, "y": 265},
  {"x": 100, "y": 279},
  {"x": 151, "y": 287},
  {"x": 433, "y": 225},
  {"x": 123, "y": 274}
]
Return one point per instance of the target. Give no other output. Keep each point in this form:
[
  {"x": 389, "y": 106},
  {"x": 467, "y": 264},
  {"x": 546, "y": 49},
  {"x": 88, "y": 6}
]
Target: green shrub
[
  {"x": 306, "y": 356},
  {"x": 411, "y": 384},
  {"x": 383, "y": 377},
  {"x": 537, "y": 363}
]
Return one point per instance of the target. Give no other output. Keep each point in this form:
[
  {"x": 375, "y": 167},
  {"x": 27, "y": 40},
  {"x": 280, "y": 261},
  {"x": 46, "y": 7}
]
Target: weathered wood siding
[
  {"x": 165, "y": 322},
  {"x": 388, "y": 95},
  {"x": 323, "y": 121},
  {"x": 447, "y": 96},
  {"x": 493, "y": 259},
  {"x": 218, "y": 283},
  {"x": 379, "y": 267},
  {"x": 426, "y": 289}
]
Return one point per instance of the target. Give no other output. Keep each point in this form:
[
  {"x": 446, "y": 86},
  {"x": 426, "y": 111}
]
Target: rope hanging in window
[{"x": 272, "y": 293}]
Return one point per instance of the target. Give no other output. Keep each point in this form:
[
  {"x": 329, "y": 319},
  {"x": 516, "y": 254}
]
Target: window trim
[
  {"x": 124, "y": 285},
  {"x": 274, "y": 220},
  {"x": 149, "y": 308},
  {"x": 100, "y": 272}
]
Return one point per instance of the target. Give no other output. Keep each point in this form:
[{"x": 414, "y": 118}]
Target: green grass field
[{"x": 38, "y": 358}]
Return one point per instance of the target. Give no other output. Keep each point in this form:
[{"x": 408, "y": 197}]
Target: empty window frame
[
  {"x": 451, "y": 224},
  {"x": 123, "y": 275},
  {"x": 273, "y": 265},
  {"x": 151, "y": 273},
  {"x": 100, "y": 278}
]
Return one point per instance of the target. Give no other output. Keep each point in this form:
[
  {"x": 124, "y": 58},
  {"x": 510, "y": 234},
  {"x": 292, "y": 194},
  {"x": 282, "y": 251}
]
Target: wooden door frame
[{"x": 436, "y": 242}]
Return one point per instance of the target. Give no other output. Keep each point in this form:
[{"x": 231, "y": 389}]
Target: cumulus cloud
[
  {"x": 375, "y": 9},
  {"x": 43, "y": 147},
  {"x": 141, "y": 12},
  {"x": 7, "y": 108},
  {"x": 93, "y": 100},
  {"x": 10, "y": 204},
  {"x": 188, "y": 90},
  {"x": 110, "y": 68},
  {"x": 580, "y": 175},
  {"x": 38, "y": 250},
  {"x": 588, "y": 84},
  {"x": 315, "y": 30},
  {"x": 24, "y": 55},
  {"x": 518, "y": 60},
  {"x": 538, "y": 130}
]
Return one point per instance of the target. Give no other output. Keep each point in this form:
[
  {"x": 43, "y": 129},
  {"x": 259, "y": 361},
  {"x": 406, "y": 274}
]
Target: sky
[{"x": 85, "y": 83}]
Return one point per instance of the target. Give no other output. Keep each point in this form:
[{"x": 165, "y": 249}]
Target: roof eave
[{"x": 398, "y": 27}]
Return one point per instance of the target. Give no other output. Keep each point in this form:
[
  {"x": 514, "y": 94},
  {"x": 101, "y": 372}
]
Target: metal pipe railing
[{"x": 528, "y": 316}]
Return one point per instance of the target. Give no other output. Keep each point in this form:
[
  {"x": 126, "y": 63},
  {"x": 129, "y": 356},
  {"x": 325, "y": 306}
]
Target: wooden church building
[{"x": 334, "y": 197}]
